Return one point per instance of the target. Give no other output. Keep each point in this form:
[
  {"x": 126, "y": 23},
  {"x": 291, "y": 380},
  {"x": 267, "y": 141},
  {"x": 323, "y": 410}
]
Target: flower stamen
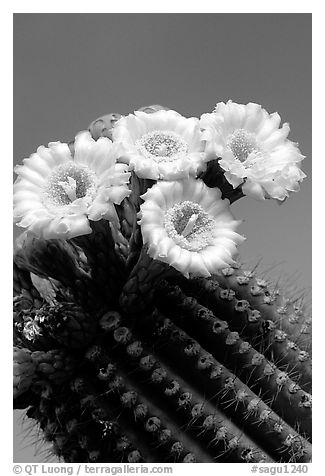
[
  {"x": 162, "y": 150},
  {"x": 67, "y": 183},
  {"x": 161, "y": 146},
  {"x": 190, "y": 224},
  {"x": 242, "y": 143},
  {"x": 70, "y": 188}
]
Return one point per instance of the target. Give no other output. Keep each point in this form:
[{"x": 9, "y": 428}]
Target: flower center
[
  {"x": 161, "y": 146},
  {"x": 242, "y": 143},
  {"x": 67, "y": 183},
  {"x": 190, "y": 226}
]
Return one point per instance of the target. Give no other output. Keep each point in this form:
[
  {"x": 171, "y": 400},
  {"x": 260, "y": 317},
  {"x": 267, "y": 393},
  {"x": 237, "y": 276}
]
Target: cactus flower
[
  {"x": 188, "y": 225},
  {"x": 161, "y": 145},
  {"x": 56, "y": 194},
  {"x": 253, "y": 150}
]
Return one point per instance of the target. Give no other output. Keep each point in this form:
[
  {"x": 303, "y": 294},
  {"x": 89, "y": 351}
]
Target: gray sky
[{"x": 71, "y": 68}]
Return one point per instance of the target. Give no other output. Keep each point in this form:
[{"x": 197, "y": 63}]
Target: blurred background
[{"x": 71, "y": 68}]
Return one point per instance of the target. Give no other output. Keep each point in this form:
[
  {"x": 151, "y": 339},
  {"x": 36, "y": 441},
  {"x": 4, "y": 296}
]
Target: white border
[{"x": 167, "y": 6}]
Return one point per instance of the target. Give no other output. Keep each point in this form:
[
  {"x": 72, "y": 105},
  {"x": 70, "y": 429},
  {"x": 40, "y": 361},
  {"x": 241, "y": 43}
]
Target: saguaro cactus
[{"x": 137, "y": 335}]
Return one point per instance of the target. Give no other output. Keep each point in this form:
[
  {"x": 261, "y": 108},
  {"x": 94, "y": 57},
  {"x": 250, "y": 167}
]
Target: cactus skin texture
[{"x": 204, "y": 370}]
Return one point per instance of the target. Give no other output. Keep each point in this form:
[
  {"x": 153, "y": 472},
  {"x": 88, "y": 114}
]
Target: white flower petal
[
  {"x": 24, "y": 206},
  {"x": 60, "y": 152},
  {"x": 98, "y": 211},
  {"x": 35, "y": 162},
  {"x": 215, "y": 261},
  {"x": 83, "y": 148},
  {"x": 46, "y": 155},
  {"x": 254, "y": 116},
  {"x": 22, "y": 194},
  {"x": 253, "y": 190},
  {"x": 267, "y": 126},
  {"x": 143, "y": 167},
  {"x": 277, "y": 137},
  {"x": 118, "y": 193},
  {"x": 233, "y": 179},
  {"x": 165, "y": 245},
  {"x": 30, "y": 175},
  {"x": 275, "y": 190},
  {"x": 67, "y": 227},
  {"x": 197, "y": 266},
  {"x": 35, "y": 220},
  {"x": 151, "y": 216}
]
